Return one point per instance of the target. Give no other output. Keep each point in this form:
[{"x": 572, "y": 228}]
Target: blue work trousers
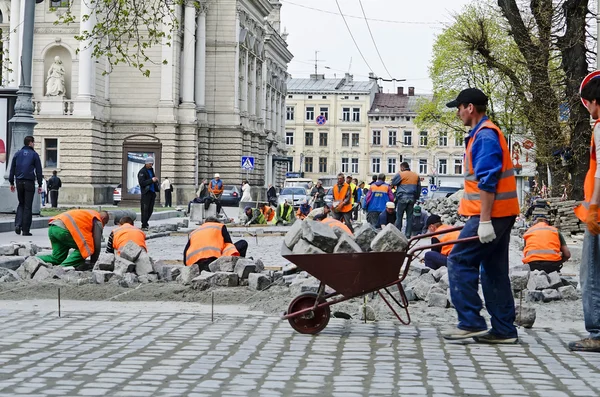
[
  {"x": 405, "y": 205},
  {"x": 466, "y": 263},
  {"x": 590, "y": 283},
  {"x": 435, "y": 260}
]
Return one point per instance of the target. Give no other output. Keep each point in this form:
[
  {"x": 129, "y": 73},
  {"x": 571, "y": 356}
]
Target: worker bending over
[
  {"x": 333, "y": 223},
  {"x": 545, "y": 247},
  {"x": 125, "y": 233}
]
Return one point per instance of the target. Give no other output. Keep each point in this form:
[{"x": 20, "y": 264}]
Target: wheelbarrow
[{"x": 352, "y": 276}]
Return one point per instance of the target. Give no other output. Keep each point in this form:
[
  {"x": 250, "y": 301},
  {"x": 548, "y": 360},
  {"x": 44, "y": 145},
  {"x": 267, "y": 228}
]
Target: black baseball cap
[
  {"x": 433, "y": 219},
  {"x": 469, "y": 95}
]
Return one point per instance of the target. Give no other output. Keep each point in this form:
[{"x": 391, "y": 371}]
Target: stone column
[
  {"x": 267, "y": 111},
  {"x": 86, "y": 63},
  {"x": 244, "y": 78},
  {"x": 282, "y": 115},
  {"x": 276, "y": 112},
  {"x": 273, "y": 110},
  {"x": 167, "y": 70},
  {"x": 189, "y": 49},
  {"x": 236, "y": 99},
  {"x": 253, "y": 80},
  {"x": 200, "y": 78},
  {"x": 263, "y": 93},
  {"x": 13, "y": 52}
]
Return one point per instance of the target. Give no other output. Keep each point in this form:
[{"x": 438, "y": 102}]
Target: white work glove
[
  {"x": 486, "y": 232},
  {"x": 247, "y": 223}
]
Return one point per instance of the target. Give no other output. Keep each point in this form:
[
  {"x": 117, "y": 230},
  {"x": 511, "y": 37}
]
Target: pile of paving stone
[
  {"x": 313, "y": 237},
  {"x": 537, "y": 286},
  {"x": 446, "y": 208},
  {"x": 560, "y": 214}
]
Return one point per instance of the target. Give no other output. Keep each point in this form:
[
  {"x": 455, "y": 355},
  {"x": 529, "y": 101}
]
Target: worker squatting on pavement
[
  {"x": 588, "y": 212},
  {"x": 438, "y": 257},
  {"x": 545, "y": 247},
  {"x": 125, "y": 233},
  {"x": 490, "y": 200}
]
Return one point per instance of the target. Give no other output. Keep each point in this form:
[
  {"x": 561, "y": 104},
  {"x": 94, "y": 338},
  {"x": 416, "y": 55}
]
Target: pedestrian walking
[
  {"x": 246, "y": 192},
  {"x": 588, "y": 212},
  {"x": 53, "y": 185},
  {"x": 408, "y": 190},
  {"x": 342, "y": 202},
  {"x": 490, "y": 201},
  {"x": 167, "y": 187},
  {"x": 26, "y": 167},
  {"x": 149, "y": 187},
  {"x": 44, "y": 191},
  {"x": 272, "y": 195}
]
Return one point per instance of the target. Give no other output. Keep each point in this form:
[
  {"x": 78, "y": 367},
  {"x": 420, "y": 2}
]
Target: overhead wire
[
  {"x": 373, "y": 39},
  {"x": 352, "y": 36}
]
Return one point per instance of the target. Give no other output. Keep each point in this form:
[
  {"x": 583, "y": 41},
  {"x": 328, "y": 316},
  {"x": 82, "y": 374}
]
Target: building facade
[
  {"x": 219, "y": 95},
  {"x": 394, "y": 138},
  {"x": 326, "y": 125}
]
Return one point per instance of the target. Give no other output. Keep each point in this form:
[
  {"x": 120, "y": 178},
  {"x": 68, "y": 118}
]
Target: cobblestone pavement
[{"x": 161, "y": 354}]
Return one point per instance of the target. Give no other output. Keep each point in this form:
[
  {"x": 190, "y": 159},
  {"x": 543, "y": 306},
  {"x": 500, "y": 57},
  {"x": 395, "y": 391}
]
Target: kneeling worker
[
  {"x": 333, "y": 223},
  {"x": 545, "y": 247},
  {"x": 387, "y": 216},
  {"x": 318, "y": 211},
  {"x": 209, "y": 242},
  {"x": 254, "y": 216},
  {"x": 438, "y": 257},
  {"x": 268, "y": 212},
  {"x": 303, "y": 210},
  {"x": 77, "y": 229},
  {"x": 125, "y": 233},
  {"x": 285, "y": 213}
]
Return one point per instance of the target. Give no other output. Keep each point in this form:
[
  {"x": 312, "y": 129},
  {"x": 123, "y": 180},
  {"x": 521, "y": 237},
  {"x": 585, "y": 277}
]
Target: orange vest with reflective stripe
[
  {"x": 581, "y": 210},
  {"x": 80, "y": 223},
  {"x": 541, "y": 244},
  {"x": 333, "y": 223},
  {"x": 506, "y": 202},
  {"x": 340, "y": 195},
  {"x": 207, "y": 242},
  {"x": 268, "y": 213},
  {"x": 215, "y": 189},
  {"x": 450, "y": 236},
  {"x": 126, "y": 233}
]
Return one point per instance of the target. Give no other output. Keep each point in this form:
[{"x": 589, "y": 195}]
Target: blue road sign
[
  {"x": 433, "y": 188},
  {"x": 321, "y": 120},
  {"x": 247, "y": 163},
  {"x": 424, "y": 191}
]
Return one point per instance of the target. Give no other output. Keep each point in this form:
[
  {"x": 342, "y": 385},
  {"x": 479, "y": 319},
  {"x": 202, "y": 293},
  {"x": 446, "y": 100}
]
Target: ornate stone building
[{"x": 219, "y": 96}]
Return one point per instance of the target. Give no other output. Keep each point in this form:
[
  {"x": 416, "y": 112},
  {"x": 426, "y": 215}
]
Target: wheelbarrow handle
[
  {"x": 415, "y": 239},
  {"x": 412, "y": 252}
]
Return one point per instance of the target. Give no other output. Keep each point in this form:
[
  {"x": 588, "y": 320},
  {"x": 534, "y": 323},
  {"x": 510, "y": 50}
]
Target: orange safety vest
[
  {"x": 207, "y": 242},
  {"x": 446, "y": 249},
  {"x": 333, "y": 223},
  {"x": 581, "y": 211},
  {"x": 126, "y": 233},
  {"x": 80, "y": 223},
  {"x": 215, "y": 189},
  {"x": 268, "y": 213},
  {"x": 340, "y": 195},
  {"x": 506, "y": 202},
  {"x": 300, "y": 215},
  {"x": 541, "y": 244}
]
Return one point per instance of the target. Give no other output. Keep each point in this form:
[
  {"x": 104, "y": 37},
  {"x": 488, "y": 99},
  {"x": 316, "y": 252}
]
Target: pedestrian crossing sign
[{"x": 247, "y": 163}]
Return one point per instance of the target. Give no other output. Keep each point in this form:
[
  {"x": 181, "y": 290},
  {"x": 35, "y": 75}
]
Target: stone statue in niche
[{"x": 55, "y": 81}]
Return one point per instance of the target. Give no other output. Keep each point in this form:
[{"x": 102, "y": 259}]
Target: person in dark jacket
[
  {"x": 149, "y": 187},
  {"x": 419, "y": 221},
  {"x": 318, "y": 195},
  {"x": 272, "y": 195},
  {"x": 26, "y": 167},
  {"x": 54, "y": 183},
  {"x": 387, "y": 216}
]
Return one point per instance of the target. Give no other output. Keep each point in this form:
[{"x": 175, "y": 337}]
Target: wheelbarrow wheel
[{"x": 312, "y": 322}]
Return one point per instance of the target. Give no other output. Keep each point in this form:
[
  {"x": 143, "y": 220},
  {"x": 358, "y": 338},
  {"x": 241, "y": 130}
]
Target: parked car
[
  {"x": 329, "y": 197},
  {"x": 231, "y": 196},
  {"x": 117, "y": 195},
  {"x": 295, "y": 194},
  {"x": 444, "y": 192}
]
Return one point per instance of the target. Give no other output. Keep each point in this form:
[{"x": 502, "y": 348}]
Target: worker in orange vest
[
  {"x": 408, "y": 191},
  {"x": 333, "y": 223},
  {"x": 210, "y": 242},
  {"x": 303, "y": 210},
  {"x": 342, "y": 201},
  {"x": 215, "y": 191},
  {"x": 438, "y": 257},
  {"x": 490, "y": 201},
  {"x": 268, "y": 212},
  {"x": 545, "y": 247},
  {"x": 80, "y": 230},
  {"x": 588, "y": 212},
  {"x": 125, "y": 233}
]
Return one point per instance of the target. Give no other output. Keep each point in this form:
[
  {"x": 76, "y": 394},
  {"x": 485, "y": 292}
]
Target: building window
[
  {"x": 289, "y": 113},
  {"x": 322, "y": 139},
  {"x": 345, "y": 165},
  {"x": 308, "y": 164},
  {"x": 345, "y": 114},
  {"x": 392, "y": 138},
  {"x": 345, "y": 139},
  {"x": 357, "y": 98},
  {"x": 325, "y": 112},
  {"x": 393, "y": 118},
  {"x": 423, "y": 166},
  {"x": 375, "y": 165},
  {"x": 59, "y": 3},
  {"x": 459, "y": 139},
  {"x": 377, "y": 118},
  {"x": 289, "y": 138},
  {"x": 356, "y": 115},
  {"x": 392, "y": 166},
  {"x": 443, "y": 138},
  {"x": 324, "y": 97},
  {"x": 50, "y": 153},
  {"x": 322, "y": 164},
  {"x": 458, "y": 166},
  {"x": 308, "y": 139},
  {"x": 310, "y": 113},
  {"x": 376, "y": 138},
  {"x": 310, "y": 97},
  {"x": 442, "y": 166},
  {"x": 423, "y": 138},
  {"x": 355, "y": 139},
  {"x": 354, "y": 166},
  {"x": 290, "y": 96},
  {"x": 407, "y": 138}
]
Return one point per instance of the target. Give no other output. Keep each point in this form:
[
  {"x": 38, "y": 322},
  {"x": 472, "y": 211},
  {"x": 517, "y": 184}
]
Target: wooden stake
[{"x": 59, "y": 302}]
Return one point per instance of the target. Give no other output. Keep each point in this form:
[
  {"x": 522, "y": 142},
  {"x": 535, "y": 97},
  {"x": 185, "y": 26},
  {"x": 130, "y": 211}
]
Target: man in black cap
[{"x": 490, "y": 201}]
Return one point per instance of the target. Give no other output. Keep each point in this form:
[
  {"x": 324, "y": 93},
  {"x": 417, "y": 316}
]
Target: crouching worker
[
  {"x": 319, "y": 211},
  {"x": 438, "y": 257},
  {"x": 209, "y": 242},
  {"x": 77, "y": 229},
  {"x": 285, "y": 213},
  {"x": 254, "y": 216},
  {"x": 333, "y": 223},
  {"x": 303, "y": 210},
  {"x": 125, "y": 233},
  {"x": 545, "y": 247},
  {"x": 268, "y": 212}
]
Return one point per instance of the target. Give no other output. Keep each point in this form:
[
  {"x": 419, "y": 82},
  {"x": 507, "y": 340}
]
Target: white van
[{"x": 306, "y": 183}]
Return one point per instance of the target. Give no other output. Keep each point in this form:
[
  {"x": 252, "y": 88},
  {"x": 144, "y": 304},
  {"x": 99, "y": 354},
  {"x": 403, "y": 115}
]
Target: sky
[{"x": 405, "y": 44}]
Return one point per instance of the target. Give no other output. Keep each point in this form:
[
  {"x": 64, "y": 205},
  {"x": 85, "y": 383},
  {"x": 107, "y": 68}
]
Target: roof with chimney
[
  {"x": 397, "y": 104},
  {"x": 319, "y": 84}
]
